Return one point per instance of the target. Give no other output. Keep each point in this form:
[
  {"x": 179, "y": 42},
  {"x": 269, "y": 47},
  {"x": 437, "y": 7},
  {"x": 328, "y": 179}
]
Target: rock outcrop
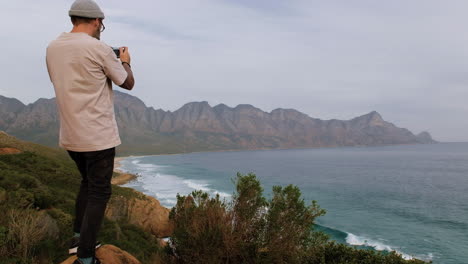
[
  {"x": 109, "y": 254},
  {"x": 143, "y": 211},
  {"x": 123, "y": 178},
  {"x": 6, "y": 151},
  {"x": 425, "y": 138}
]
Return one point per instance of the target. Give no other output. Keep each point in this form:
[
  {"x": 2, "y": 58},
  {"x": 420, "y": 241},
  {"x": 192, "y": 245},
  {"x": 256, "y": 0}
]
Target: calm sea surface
[{"x": 412, "y": 199}]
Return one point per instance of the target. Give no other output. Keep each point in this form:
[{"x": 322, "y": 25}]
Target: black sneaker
[
  {"x": 73, "y": 249},
  {"x": 95, "y": 261}
]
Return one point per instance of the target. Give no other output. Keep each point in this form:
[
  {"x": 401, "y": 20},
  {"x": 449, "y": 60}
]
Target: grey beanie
[{"x": 85, "y": 8}]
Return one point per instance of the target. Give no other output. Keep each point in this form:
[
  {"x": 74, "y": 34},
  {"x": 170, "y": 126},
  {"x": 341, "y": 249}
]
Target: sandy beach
[
  {"x": 122, "y": 177},
  {"x": 117, "y": 164}
]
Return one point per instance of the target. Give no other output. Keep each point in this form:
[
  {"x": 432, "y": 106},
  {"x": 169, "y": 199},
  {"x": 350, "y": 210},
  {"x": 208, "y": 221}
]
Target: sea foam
[
  {"x": 154, "y": 180},
  {"x": 355, "y": 240}
]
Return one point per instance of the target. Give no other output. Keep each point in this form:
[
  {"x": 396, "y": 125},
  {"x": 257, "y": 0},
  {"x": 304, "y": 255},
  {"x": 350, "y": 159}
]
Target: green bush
[
  {"x": 3, "y": 240},
  {"x": 335, "y": 253},
  {"x": 43, "y": 182},
  {"x": 289, "y": 235},
  {"x": 202, "y": 229},
  {"x": 21, "y": 198},
  {"x": 250, "y": 229},
  {"x": 140, "y": 244}
]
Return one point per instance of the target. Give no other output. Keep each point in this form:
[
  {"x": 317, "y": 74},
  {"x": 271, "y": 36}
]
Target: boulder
[
  {"x": 143, "y": 211},
  {"x": 109, "y": 254},
  {"x": 6, "y": 151},
  {"x": 123, "y": 178}
]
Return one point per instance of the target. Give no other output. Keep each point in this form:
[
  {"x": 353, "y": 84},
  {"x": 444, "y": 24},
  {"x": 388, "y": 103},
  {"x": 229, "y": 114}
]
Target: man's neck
[{"x": 82, "y": 28}]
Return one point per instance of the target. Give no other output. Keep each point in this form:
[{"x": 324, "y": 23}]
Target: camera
[{"x": 116, "y": 51}]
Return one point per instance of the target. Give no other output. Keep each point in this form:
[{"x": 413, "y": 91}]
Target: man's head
[{"x": 86, "y": 15}]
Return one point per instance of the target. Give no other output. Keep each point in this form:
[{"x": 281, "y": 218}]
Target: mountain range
[{"x": 197, "y": 126}]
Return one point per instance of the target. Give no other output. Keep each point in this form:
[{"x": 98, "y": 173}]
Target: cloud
[{"x": 328, "y": 59}]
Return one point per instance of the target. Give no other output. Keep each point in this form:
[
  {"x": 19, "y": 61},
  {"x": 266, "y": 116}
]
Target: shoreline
[
  {"x": 125, "y": 177},
  {"x": 368, "y": 242},
  {"x": 119, "y": 158},
  {"x": 122, "y": 177}
]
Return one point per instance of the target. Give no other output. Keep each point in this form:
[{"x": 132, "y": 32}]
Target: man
[{"x": 82, "y": 69}]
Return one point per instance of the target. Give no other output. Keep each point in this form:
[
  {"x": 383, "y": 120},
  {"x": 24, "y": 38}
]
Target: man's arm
[
  {"x": 125, "y": 58},
  {"x": 129, "y": 82}
]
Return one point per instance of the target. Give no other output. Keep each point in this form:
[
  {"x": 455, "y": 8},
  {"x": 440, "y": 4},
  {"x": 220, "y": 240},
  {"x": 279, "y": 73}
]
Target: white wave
[
  {"x": 377, "y": 245},
  {"x": 170, "y": 201},
  {"x": 430, "y": 256},
  {"x": 155, "y": 182},
  {"x": 223, "y": 194},
  {"x": 362, "y": 241},
  {"x": 134, "y": 165},
  {"x": 197, "y": 185},
  {"x": 152, "y": 166}
]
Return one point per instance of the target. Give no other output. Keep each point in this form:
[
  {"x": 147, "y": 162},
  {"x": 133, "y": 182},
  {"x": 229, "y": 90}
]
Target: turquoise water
[{"x": 412, "y": 199}]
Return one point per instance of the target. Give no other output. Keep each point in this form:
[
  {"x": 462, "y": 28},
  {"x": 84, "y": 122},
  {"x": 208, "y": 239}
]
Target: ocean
[{"x": 412, "y": 198}]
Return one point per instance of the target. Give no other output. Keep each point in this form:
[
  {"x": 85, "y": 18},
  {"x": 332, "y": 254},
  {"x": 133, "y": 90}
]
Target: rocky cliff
[
  {"x": 197, "y": 126},
  {"x": 141, "y": 210},
  {"x": 38, "y": 188}
]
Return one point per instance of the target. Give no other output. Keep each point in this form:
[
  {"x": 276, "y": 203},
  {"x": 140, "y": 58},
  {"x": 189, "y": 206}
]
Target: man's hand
[{"x": 124, "y": 55}]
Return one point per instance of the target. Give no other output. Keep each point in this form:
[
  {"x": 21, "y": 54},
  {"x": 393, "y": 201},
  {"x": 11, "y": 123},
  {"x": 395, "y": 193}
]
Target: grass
[{"x": 46, "y": 179}]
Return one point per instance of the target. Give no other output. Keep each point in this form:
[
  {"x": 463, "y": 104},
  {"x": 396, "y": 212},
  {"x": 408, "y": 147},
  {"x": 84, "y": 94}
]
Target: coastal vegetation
[
  {"x": 38, "y": 186},
  {"x": 37, "y": 193},
  {"x": 251, "y": 229}
]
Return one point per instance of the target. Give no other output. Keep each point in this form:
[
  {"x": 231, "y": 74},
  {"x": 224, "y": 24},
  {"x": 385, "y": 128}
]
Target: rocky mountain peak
[
  {"x": 196, "y": 105},
  {"x": 221, "y": 107},
  {"x": 282, "y": 114},
  {"x": 246, "y": 106},
  {"x": 425, "y": 138},
  {"x": 195, "y": 109},
  {"x": 10, "y": 104},
  {"x": 127, "y": 100},
  {"x": 374, "y": 116},
  {"x": 223, "y": 110},
  {"x": 248, "y": 110},
  {"x": 371, "y": 119},
  {"x": 129, "y": 109},
  {"x": 44, "y": 100}
]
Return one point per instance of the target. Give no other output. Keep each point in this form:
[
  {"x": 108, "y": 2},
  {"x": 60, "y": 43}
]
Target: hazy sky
[{"x": 408, "y": 60}]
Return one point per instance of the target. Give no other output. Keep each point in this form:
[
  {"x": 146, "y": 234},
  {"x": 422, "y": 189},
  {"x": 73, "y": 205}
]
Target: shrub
[
  {"x": 250, "y": 229},
  {"x": 25, "y": 230},
  {"x": 288, "y": 234},
  {"x": 202, "y": 227},
  {"x": 247, "y": 229},
  {"x": 3, "y": 240},
  {"x": 133, "y": 239},
  {"x": 21, "y": 198},
  {"x": 248, "y": 209},
  {"x": 334, "y": 253}
]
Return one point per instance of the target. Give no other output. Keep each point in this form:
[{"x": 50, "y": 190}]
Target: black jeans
[{"x": 96, "y": 168}]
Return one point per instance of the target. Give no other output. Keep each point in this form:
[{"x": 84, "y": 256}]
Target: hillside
[
  {"x": 197, "y": 126},
  {"x": 38, "y": 186}
]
